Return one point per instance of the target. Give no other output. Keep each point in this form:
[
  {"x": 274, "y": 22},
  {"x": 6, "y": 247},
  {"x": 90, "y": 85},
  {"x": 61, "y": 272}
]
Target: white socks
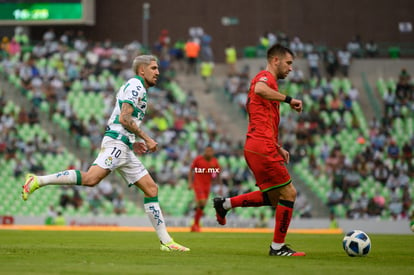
[
  {"x": 68, "y": 177},
  {"x": 153, "y": 210},
  {"x": 227, "y": 204},
  {"x": 277, "y": 246}
]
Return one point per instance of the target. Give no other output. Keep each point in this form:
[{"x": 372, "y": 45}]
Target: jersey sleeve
[
  {"x": 264, "y": 76},
  {"x": 132, "y": 93}
]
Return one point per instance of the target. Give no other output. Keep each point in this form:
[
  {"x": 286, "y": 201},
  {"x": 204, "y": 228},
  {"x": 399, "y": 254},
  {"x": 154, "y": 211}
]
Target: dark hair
[{"x": 278, "y": 50}]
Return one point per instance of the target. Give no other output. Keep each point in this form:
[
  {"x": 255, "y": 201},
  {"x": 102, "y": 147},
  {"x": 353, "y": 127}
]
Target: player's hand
[
  {"x": 140, "y": 148},
  {"x": 296, "y": 105},
  {"x": 284, "y": 153},
  {"x": 151, "y": 145}
]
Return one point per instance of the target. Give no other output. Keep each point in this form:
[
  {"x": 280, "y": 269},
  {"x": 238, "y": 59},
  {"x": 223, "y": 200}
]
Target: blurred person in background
[{"x": 204, "y": 169}]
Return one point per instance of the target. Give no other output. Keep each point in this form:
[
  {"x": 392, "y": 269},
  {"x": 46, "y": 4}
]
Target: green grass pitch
[{"x": 70, "y": 252}]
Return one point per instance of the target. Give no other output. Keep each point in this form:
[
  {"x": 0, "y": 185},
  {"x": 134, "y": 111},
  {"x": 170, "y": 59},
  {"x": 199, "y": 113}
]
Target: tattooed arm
[{"x": 126, "y": 120}]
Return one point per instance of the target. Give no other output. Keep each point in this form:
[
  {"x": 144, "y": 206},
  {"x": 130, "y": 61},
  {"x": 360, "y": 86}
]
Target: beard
[
  {"x": 282, "y": 75},
  {"x": 151, "y": 83}
]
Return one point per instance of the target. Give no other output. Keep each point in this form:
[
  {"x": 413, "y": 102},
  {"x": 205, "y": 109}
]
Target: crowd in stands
[{"x": 57, "y": 68}]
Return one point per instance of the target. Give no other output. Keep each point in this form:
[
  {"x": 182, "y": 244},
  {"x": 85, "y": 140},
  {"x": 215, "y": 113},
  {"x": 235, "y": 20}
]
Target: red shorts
[
  {"x": 267, "y": 165},
  {"x": 201, "y": 192}
]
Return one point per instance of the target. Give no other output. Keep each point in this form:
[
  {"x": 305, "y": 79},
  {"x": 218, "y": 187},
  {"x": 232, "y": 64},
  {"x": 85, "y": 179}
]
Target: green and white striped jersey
[{"x": 134, "y": 93}]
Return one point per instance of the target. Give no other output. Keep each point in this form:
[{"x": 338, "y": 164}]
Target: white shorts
[{"x": 116, "y": 155}]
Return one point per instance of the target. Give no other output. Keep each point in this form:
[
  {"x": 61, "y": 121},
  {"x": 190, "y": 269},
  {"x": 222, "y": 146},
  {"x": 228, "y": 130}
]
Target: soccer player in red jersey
[
  {"x": 203, "y": 170},
  {"x": 264, "y": 155}
]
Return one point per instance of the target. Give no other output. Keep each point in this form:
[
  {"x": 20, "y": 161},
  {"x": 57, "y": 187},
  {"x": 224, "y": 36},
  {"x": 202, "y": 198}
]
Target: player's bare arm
[
  {"x": 140, "y": 148},
  {"x": 263, "y": 90},
  {"x": 126, "y": 120}
]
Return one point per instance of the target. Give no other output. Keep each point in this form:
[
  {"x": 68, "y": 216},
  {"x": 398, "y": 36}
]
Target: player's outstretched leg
[
  {"x": 31, "y": 184},
  {"x": 220, "y": 210},
  {"x": 67, "y": 177},
  {"x": 173, "y": 246}
]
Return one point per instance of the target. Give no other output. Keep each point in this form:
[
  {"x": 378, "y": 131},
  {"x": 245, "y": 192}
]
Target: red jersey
[
  {"x": 264, "y": 115},
  {"x": 204, "y": 171}
]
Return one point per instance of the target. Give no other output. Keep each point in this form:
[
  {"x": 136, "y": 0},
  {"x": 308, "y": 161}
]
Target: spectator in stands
[
  {"x": 336, "y": 104},
  {"x": 376, "y": 205},
  {"x": 309, "y": 47},
  {"x": 65, "y": 198},
  {"x": 407, "y": 153},
  {"x": 313, "y": 63},
  {"x": 27, "y": 72},
  {"x": 351, "y": 178},
  {"x": 50, "y": 216},
  {"x": 80, "y": 43},
  {"x": 296, "y": 76},
  {"x": 363, "y": 166},
  {"x": 359, "y": 208},
  {"x": 206, "y": 71},
  {"x": 49, "y": 35},
  {"x": 403, "y": 180},
  {"x": 333, "y": 161},
  {"x": 33, "y": 116},
  {"x": 106, "y": 190},
  {"x": 60, "y": 219},
  {"x": 331, "y": 63},
  {"x": 334, "y": 196},
  {"x": 395, "y": 204},
  {"x": 206, "y": 52},
  {"x": 371, "y": 49},
  {"x": 77, "y": 199},
  {"x": 302, "y": 206},
  {"x": 19, "y": 168},
  {"x": 354, "y": 47},
  {"x": 406, "y": 201},
  {"x": 333, "y": 223},
  {"x": 4, "y": 46},
  {"x": 119, "y": 204},
  {"x": 389, "y": 103},
  {"x": 353, "y": 93},
  {"x": 231, "y": 58},
  {"x": 404, "y": 89},
  {"x": 393, "y": 150},
  {"x": 381, "y": 172},
  {"x": 264, "y": 40},
  {"x": 297, "y": 47},
  {"x": 344, "y": 61},
  {"x": 14, "y": 47},
  {"x": 94, "y": 201},
  {"x": 192, "y": 51},
  {"x": 392, "y": 180}
]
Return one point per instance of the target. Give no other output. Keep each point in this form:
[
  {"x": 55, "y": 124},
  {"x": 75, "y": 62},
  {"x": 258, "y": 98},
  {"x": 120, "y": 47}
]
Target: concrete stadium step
[{"x": 212, "y": 105}]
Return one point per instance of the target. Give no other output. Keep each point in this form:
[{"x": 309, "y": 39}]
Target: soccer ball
[{"x": 356, "y": 243}]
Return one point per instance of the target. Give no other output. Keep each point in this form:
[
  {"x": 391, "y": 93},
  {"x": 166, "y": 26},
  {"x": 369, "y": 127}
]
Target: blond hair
[{"x": 142, "y": 60}]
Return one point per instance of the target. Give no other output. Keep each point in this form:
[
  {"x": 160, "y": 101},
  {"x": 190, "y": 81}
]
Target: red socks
[
  {"x": 198, "y": 215},
  {"x": 252, "y": 199},
  {"x": 283, "y": 216}
]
